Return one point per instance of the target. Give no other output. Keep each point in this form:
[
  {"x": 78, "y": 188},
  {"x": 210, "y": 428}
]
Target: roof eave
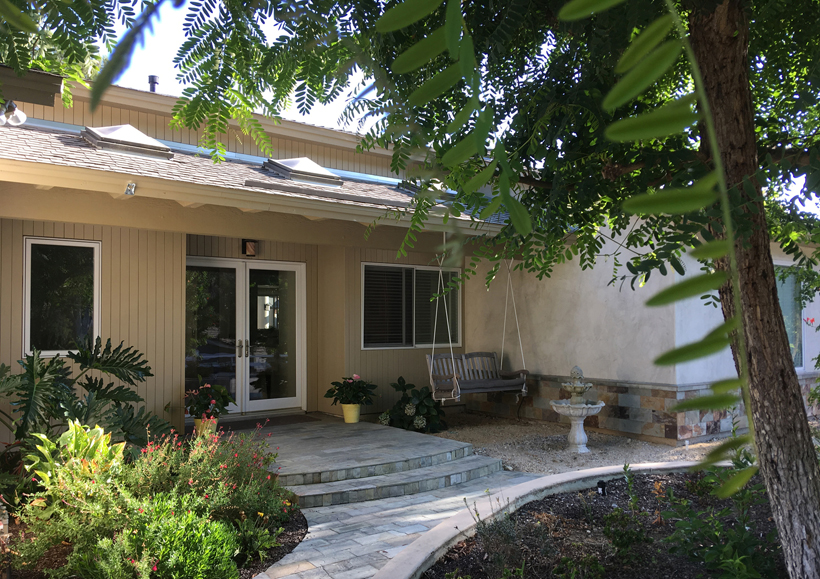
[{"x": 194, "y": 195}]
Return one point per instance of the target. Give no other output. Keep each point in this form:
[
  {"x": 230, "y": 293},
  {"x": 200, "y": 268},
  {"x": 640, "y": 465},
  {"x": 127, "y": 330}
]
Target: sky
[{"x": 157, "y": 55}]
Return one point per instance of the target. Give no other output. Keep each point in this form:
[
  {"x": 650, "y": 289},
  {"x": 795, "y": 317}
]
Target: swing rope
[{"x": 456, "y": 394}]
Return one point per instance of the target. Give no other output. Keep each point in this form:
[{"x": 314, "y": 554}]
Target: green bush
[
  {"x": 416, "y": 410},
  {"x": 171, "y": 537},
  {"x": 190, "y": 508},
  {"x": 736, "y": 549}
]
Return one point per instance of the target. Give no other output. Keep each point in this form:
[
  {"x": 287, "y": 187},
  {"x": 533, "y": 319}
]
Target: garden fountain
[{"x": 577, "y": 409}]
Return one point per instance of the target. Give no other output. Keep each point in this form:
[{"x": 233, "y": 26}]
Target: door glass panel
[
  {"x": 210, "y": 327},
  {"x": 272, "y": 333}
]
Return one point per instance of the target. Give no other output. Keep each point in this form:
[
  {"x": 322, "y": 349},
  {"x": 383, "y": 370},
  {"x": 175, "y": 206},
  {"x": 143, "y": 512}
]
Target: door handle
[
  {"x": 239, "y": 348},
  {"x": 247, "y": 348}
]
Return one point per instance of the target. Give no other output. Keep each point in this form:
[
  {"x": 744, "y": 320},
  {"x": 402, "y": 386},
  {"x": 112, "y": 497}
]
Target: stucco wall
[
  {"x": 574, "y": 318},
  {"x": 694, "y": 320}
]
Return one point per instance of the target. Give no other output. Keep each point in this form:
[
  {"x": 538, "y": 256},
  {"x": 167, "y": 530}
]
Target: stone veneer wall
[{"x": 643, "y": 410}]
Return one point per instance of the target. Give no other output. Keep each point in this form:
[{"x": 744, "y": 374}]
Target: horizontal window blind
[
  {"x": 426, "y": 288},
  {"x": 388, "y": 319}
]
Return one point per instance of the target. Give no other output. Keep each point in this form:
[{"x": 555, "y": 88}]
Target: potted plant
[
  {"x": 351, "y": 393},
  {"x": 206, "y": 404}
]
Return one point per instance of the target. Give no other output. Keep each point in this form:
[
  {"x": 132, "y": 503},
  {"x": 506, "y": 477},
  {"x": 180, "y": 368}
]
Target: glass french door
[{"x": 245, "y": 330}]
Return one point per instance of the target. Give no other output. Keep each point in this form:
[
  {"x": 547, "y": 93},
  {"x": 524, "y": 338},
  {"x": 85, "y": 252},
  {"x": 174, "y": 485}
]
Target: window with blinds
[{"x": 400, "y": 310}]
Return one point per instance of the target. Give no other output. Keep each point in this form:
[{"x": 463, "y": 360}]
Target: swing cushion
[{"x": 477, "y": 372}]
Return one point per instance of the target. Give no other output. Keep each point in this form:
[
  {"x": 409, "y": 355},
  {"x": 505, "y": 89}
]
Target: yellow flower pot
[
  {"x": 207, "y": 426},
  {"x": 351, "y": 412}
]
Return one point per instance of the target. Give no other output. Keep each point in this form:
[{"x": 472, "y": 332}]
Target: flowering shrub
[
  {"x": 170, "y": 537},
  {"x": 416, "y": 410},
  {"x": 352, "y": 390},
  {"x": 190, "y": 508},
  {"x": 207, "y": 401}
]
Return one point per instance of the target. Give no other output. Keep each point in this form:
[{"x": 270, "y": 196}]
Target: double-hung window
[
  {"x": 399, "y": 308},
  {"x": 61, "y": 295},
  {"x": 788, "y": 294}
]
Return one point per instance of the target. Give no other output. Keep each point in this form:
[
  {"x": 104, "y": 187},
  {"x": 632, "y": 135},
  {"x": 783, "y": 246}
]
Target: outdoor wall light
[{"x": 15, "y": 118}]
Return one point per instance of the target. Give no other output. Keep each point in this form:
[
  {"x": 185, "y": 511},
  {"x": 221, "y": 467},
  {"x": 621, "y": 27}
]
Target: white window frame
[
  {"x": 415, "y": 345},
  {"x": 778, "y": 263},
  {"x": 29, "y": 241}
]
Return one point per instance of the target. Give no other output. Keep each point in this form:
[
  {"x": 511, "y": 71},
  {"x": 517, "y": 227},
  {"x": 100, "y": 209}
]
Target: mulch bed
[
  {"x": 571, "y": 525},
  {"x": 293, "y": 533}
]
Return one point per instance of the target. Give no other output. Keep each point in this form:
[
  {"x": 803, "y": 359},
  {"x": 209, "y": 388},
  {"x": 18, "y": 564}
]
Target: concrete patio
[{"x": 368, "y": 490}]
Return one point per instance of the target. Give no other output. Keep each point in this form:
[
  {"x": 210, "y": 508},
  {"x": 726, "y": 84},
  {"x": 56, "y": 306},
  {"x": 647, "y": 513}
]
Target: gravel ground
[{"x": 540, "y": 447}]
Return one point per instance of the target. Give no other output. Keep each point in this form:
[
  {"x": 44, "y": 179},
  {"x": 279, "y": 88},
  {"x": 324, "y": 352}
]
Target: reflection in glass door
[
  {"x": 210, "y": 327},
  {"x": 257, "y": 350}
]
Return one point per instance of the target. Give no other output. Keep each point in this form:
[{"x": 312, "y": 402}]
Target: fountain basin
[{"x": 577, "y": 438}]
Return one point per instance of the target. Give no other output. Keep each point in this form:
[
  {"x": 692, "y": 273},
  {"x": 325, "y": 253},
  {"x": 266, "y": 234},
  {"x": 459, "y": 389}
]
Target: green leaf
[
  {"x": 452, "y": 26},
  {"x": 677, "y": 265},
  {"x": 675, "y": 201},
  {"x": 460, "y": 152},
  {"x": 692, "y": 351},
  {"x": 688, "y": 288},
  {"x": 405, "y": 14},
  {"x": 463, "y": 115},
  {"x": 644, "y": 42},
  {"x": 420, "y": 53},
  {"x": 482, "y": 128},
  {"x": 519, "y": 216},
  {"x": 725, "y": 328},
  {"x": 643, "y": 75},
  {"x": 736, "y": 483},
  {"x": 711, "y": 402},
  {"x": 436, "y": 86},
  {"x": 726, "y": 386},
  {"x": 667, "y": 120},
  {"x": 723, "y": 450},
  {"x": 490, "y": 209},
  {"x": 16, "y": 17},
  {"x": 711, "y": 250},
  {"x": 578, "y": 9},
  {"x": 466, "y": 56},
  {"x": 480, "y": 179}
]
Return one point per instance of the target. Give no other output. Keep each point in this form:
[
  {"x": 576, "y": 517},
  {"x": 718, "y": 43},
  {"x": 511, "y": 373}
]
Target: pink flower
[
  {"x": 154, "y": 568},
  {"x": 349, "y": 381},
  {"x": 356, "y": 377},
  {"x": 213, "y": 401},
  {"x": 206, "y": 385}
]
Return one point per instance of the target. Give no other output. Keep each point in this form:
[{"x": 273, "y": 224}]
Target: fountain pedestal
[
  {"x": 577, "y": 438},
  {"x": 576, "y": 409}
]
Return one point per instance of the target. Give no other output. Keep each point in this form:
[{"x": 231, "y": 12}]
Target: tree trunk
[{"x": 720, "y": 37}]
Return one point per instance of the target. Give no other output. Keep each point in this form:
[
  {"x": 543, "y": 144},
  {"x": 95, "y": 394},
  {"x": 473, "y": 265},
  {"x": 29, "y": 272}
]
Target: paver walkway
[
  {"x": 355, "y": 540},
  {"x": 423, "y": 480}
]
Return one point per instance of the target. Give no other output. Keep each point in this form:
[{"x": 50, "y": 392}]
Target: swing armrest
[
  {"x": 439, "y": 377},
  {"x": 514, "y": 373}
]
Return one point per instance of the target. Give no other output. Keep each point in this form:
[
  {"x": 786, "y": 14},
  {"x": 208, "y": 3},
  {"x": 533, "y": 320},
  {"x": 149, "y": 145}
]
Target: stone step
[
  {"x": 453, "y": 450},
  {"x": 396, "y": 484}
]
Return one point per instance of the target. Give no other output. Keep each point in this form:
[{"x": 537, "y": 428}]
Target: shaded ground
[
  {"x": 545, "y": 534},
  {"x": 540, "y": 447}
]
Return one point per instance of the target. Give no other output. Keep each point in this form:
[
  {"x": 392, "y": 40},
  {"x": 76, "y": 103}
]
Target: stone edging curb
[{"x": 423, "y": 553}]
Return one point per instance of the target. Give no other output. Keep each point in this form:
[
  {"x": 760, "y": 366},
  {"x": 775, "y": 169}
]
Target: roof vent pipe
[{"x": 153, "y": 81}]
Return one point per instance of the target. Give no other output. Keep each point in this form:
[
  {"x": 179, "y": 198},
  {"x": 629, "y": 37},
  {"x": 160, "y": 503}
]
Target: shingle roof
[{"x": 54, "y": 147}]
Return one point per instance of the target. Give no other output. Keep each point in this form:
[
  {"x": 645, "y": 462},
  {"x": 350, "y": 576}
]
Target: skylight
[
  {"x": 304, "y": 170},
  {"x": 126, "y": 139}
]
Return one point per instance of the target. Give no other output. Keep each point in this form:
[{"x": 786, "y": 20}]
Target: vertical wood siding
[
  {"x": 141, "y": 301},
  {"x": 158, "y": 127},
  {"x": 211, "y": 246},
  {"x": 381, "y": 367}
]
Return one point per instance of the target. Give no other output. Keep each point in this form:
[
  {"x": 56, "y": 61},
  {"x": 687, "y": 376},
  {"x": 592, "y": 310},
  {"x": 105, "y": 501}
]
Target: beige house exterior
[{"x": 154, "y": 221}]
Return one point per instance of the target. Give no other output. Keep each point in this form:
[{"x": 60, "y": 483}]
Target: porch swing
[{"x": 452, "y": 375}]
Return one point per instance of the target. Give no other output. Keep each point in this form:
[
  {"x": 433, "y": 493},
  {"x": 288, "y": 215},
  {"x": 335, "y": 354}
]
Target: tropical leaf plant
[{"x": 45, "y": 396}]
